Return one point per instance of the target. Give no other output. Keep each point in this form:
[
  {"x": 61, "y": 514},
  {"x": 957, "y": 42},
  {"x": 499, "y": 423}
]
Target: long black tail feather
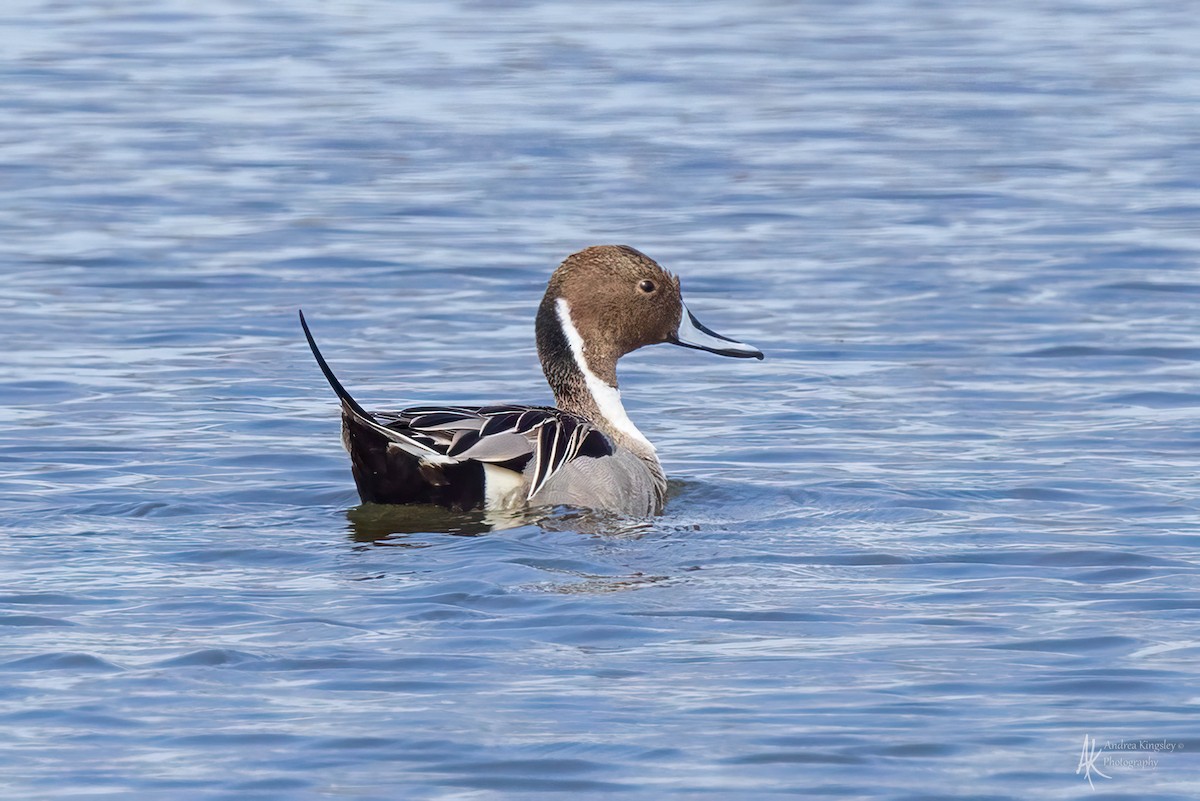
[{"x": 340, "y": 390}]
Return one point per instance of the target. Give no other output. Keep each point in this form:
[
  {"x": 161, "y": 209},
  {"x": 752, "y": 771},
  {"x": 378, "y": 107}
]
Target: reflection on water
[
  {"x": 948, "y": 529},
  {"x": 373, "y": 522},
  {"x": 381, "y": 523}
]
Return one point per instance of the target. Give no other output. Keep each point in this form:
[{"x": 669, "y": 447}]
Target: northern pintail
[{"x": 585, "y": 452}]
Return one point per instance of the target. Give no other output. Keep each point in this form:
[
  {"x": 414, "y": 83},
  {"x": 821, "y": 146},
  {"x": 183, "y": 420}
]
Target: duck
[{"x": 584, "y": 451}]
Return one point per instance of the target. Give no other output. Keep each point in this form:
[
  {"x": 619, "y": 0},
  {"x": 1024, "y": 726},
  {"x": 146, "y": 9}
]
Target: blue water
[{"x": 947, "y": 530}]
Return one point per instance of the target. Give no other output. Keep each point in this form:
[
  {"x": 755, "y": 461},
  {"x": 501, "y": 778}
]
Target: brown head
[{"x": 608, "y": 300}]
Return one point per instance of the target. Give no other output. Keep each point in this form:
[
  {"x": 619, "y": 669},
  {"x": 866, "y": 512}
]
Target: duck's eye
[{"x": 647, "y": 286}]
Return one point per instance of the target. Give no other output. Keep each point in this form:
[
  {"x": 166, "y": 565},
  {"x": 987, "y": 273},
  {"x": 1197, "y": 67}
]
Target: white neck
[{"x": 606, "y": 396}]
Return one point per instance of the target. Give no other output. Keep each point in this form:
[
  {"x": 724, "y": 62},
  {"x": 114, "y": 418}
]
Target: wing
[{"x": 512, "y": 436}]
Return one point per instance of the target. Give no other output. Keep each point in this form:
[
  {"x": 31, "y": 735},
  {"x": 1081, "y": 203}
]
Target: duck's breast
[{"x": 621, "y": 483}]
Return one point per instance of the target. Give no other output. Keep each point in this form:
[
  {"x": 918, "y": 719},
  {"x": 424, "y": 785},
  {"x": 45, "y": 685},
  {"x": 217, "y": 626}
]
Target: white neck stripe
[{"x": 607, "y": 398}]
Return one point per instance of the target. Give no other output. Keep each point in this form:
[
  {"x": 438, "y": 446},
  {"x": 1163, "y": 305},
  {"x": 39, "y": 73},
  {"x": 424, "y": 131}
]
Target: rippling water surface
[{"x": 947, "y": 530}]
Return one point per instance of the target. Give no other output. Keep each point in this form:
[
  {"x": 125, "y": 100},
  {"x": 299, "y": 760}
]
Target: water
[{"x": 947, "y": 530}]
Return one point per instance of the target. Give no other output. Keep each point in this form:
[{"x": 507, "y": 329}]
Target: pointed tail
[{"x": 341, "y": 392}]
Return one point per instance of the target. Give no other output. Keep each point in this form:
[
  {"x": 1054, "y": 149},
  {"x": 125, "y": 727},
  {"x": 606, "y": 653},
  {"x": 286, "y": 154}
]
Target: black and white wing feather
[{"x": 512, "y": 436}]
